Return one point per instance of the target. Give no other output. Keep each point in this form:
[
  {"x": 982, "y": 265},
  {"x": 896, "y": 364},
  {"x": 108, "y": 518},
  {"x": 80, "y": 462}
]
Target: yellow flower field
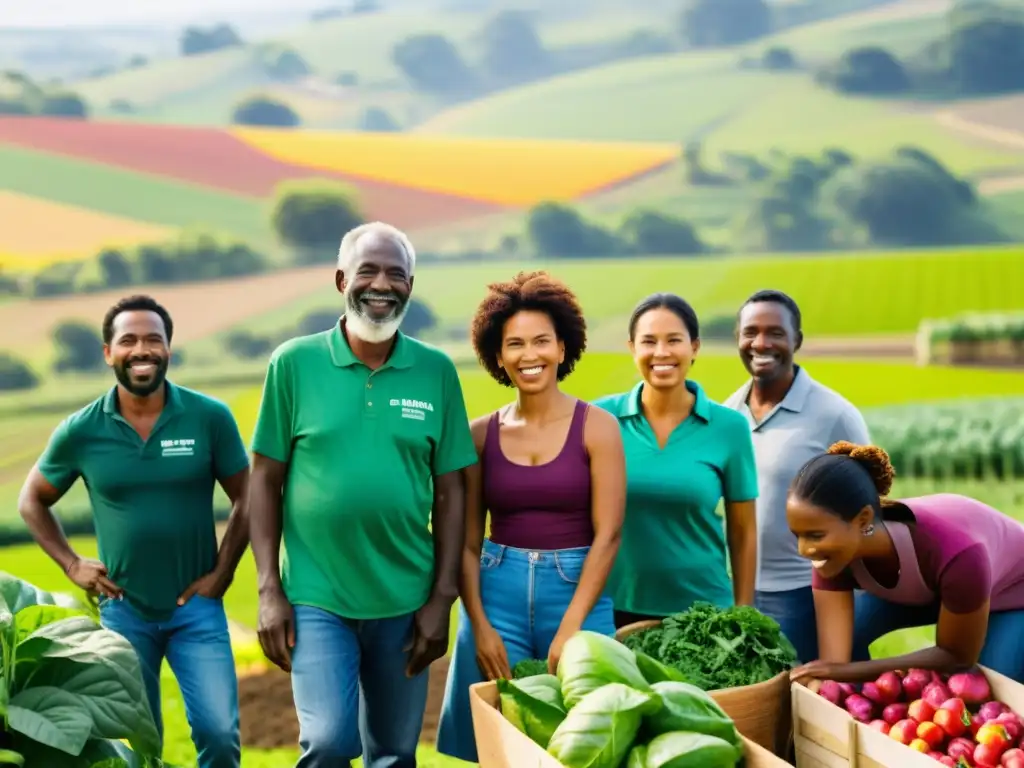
[
  {"x": 510, "y": 172},
  {"x": 37, "y": 232}
]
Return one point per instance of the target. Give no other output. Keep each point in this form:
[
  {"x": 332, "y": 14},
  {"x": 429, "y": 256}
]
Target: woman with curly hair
[
  {"x": 685, "y": 455},
  {"x": 938, "y": 559},
  {"x": 552, "y": 476}
]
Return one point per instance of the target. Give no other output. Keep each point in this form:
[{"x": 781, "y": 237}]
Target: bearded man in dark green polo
[
  {"x": 357, "y": 457},
  {"x": 149, "y": 452}
]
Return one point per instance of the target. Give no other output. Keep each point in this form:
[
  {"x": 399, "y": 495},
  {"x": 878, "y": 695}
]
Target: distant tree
[
  {"x": 310, "y": 217},
  {"x": 512, "y": 49},
  {"x": 870, "y": 70},
  {"x": 14, "y": 106},
  {"x": 317, "y": 321},
  {"x": 778, "y": 58},
  {"x": 710, "y": 23},
  {"x": 262, "y": 110},
  {"x": 379, "y": 120},
  {"x": 196, "y": 40},
  {"x": 79, "y": 348},
  {"x": 987, "y": 55},
  {"x": 115, "y": 269},
  {"x": 348, "y": 79},
  {"x": 283, "y": 64},
  {"x": 15, "y": 374},
  {"x": 137, "y": 61},
  {"x": 559, "y": 231},
  {"x": 644, "y": 42},
  {"x": 653, "y": 233},
  {"x": 433, "y": 64},
  {"x": 64, "y": 104},
  {"x": 418, "y": 318},
  {"x": 248, "y": 345}
]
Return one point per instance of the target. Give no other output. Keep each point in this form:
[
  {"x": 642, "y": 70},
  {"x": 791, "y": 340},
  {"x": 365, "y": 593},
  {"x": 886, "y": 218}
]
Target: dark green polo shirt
[
  {"x": 363, "y": 448},
  {"x": 673, "y": 549},
  {"x": 152, "y": 501}
]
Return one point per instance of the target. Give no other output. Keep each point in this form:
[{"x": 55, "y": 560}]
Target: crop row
[
  {"x": 973, "y": 337},
  {"x": 976, "y": 440},
  {"x": 515, "y": 172}
]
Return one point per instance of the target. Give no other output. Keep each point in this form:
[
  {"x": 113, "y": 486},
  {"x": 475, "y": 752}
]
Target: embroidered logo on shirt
[
  {"x": 177, "y": 447},
  {"x": 412, "y": 409}
]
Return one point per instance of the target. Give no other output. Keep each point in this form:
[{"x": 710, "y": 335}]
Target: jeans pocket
[
  {"x": 487, "y": 561},
  {"x": 569, "y": 567}
]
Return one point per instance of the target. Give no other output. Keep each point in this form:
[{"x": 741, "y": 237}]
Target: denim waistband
[{"x": 542, "y": 557}]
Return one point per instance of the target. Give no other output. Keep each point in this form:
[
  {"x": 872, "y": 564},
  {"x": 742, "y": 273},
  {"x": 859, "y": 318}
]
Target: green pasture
[
  {"x": 857, "y": 294},
  {"x": 134, "y": 195},
  {"x": 708, "y": 96}
]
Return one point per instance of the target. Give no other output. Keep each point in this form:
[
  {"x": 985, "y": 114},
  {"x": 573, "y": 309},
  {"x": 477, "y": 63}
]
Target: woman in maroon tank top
[{"x": 552, "y": 475}]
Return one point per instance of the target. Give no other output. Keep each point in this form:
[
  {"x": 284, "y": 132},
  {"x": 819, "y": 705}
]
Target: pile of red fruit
[{"x": 951, "y": 718}]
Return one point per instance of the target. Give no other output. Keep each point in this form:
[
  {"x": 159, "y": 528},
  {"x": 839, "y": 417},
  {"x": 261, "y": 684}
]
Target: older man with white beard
[{"x": 357, "y": 456}]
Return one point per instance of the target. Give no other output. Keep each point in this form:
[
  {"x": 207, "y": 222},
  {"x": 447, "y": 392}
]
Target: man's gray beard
[{"x": 365, "y": 328}]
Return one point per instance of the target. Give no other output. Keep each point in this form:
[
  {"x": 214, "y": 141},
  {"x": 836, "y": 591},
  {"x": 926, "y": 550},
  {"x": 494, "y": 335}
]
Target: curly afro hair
[{"x": 529, "y": 291}]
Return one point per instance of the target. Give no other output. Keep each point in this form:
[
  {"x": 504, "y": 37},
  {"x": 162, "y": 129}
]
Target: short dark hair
[
  {"x": 847, "y": 478},
  {"x": 528, "y": 291},
  {"x": 677, "y": 305},
  {"x": 137, "y": 303},
  {"x": 776, "y": 297}
]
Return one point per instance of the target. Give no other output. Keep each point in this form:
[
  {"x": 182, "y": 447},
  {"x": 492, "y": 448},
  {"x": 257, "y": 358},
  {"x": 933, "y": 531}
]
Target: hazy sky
[{"x": 77, "y": 13}]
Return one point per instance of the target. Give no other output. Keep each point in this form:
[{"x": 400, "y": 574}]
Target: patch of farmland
[
  {"x": 198, "y": 309},
  {"x": 999, "y": 119},
  {"x": 40, "y": 231},
  {"x": 502, "y": 172},
  {"x": 217, "y": 159}
]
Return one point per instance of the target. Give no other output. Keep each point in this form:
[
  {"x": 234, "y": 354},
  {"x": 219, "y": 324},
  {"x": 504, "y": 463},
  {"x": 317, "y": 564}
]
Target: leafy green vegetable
[
  {"x": 686, "y": 707},
  {"x": 718, "y": 648},
  {"x": 529, "y": 667},
  {"x": 69, "y": 689},
  {"x": 533, "y": 705},
  {"x": 600, "y": 729},
  {"x": 590, "y": 660},
  {"x": 690, "y": 750},
  {"x": 9, "y": 757},
  {"x": 656, "y": 672},
  {"x": 637, "y": 757}
]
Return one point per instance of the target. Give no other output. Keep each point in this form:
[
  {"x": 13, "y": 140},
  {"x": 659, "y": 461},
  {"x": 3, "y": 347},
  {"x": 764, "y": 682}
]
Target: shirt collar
[
  {"x": 795, "y": 398},
  {"x": 172, "y": 400},
  {"x": 630, "y": 405},
  {"x": 343, "y": 357}
]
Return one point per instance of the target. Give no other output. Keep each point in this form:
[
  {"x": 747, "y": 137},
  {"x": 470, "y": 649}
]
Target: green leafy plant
[{"x": 71, "y": 692}]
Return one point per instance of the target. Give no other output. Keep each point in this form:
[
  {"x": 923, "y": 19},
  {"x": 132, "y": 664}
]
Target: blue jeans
[
  {"x": 1004, "y": 643},
  {"x": 351, "y": 693},
  {"x": 525, "y": 595},
  {"x": 196, "y": 644},
  {"x": 793, "y": 609}
]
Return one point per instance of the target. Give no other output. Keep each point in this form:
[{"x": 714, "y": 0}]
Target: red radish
[
  {"x": 831, "y": 692},
  {"x": 1012, "y": 723},
  {"x": 947, "y": 761},
  {"x": 1012, "y": 758},
  {"x": 921, "y": 711},
  {"x": 895, "y": 712},
  {"x": 987, "y": 755},
  {"x": 873, "y": 693},
  {"x": 972, "y": 687},
  {"x": 914, "y": 682},
  {"x": 890, "y": 687},
  {"x": 880, "y": 725},
  {"x": 848, "y": 689},
  {"x": 976, "y": 725},
  {"x": 861, "y": 709},
  {"x": 936, "y": 694},
  {"x": 961, "y": 747},
  {"x": 952, "y": 717},
  {"x": 932, "y": 734},
  {"x": 990, "y": 710}
]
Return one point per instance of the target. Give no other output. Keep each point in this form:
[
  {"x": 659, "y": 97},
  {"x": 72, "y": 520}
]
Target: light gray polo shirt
[{"x": 803, "y": 425}]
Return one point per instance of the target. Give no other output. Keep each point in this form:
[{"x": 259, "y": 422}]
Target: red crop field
[{"x": 213, "y": 158}]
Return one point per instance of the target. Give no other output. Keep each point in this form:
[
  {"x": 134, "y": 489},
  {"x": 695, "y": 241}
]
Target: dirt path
[{"x": 1005, "y": 137}]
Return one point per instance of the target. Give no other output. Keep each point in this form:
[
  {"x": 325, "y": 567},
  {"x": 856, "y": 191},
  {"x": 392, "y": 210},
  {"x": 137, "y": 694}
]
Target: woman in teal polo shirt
[{"x": 684, "y": 455}]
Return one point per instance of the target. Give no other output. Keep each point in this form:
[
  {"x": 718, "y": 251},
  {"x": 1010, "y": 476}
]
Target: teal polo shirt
[
  {"x": 673, "y": 549},
  {"x": 363, "y": 447},
  {"x": 152, "y": 500}
]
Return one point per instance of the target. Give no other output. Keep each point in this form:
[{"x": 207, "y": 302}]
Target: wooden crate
[
  {"x": 825, "y": 736},
  {"x": 500, "y": 744}
]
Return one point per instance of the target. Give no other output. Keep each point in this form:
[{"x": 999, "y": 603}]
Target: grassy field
[
  {"x": 119, "y": 192},
  {"x": 840, "y": 295}
]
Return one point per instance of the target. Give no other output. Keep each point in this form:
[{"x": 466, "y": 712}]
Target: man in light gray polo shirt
[{"x": 793, "y": 418}]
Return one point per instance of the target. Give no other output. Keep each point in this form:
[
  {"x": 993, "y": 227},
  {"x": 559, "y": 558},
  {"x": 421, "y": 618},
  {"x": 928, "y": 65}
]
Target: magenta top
[
  {"x": 546, "y": 506},
  {"x": 958, "y": 551}
]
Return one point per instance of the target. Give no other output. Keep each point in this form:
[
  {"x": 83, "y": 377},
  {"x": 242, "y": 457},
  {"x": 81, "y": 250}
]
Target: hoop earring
[{"x": 868, "y": 530}]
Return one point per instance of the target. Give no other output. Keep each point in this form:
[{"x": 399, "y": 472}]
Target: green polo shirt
[
  {"x": 152, "y": 500},
  {"x": 673, "y": 549},
  {"x": 362, "y": 448}
]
